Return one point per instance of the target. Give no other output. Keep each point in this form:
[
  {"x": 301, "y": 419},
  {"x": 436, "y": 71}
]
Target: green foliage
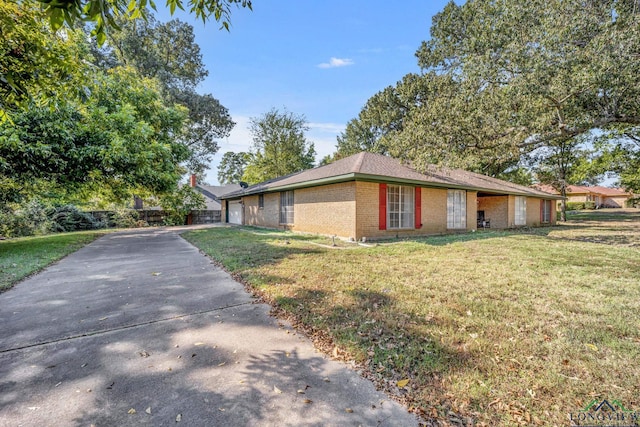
[
  {"x": 178, "y": 204},
  {"x": 120, "y": 139},
  {"x": 232, "y": 167},
  {"x": 623, "y": 157},
  {"x": 279, "y": 146},
  {"x": 104, "y": 13},
  {"x": 27, "y": 220},
  {"x": 575, "y": 206},
  {"x": 125, "y": 218},
  {"x": 35, "y": 63},
  {"x": 509, "y": 82},
  {"x": 143, "y": 46},
  {"x": 518, "y": 175},
  {"x": 70, "y": 218}
]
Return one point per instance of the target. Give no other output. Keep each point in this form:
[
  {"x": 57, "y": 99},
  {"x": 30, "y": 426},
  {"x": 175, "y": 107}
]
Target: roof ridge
[{"x": 359, "y": 161}]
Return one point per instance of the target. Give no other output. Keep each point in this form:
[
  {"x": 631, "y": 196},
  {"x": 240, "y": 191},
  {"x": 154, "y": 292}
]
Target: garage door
[{"x": 235, "y": 212}]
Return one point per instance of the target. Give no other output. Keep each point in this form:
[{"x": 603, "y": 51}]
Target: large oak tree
[{"x": 503, "y": 80}]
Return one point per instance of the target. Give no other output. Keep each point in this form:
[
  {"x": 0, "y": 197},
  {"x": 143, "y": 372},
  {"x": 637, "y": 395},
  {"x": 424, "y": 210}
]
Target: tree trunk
[{"x": 563, "y": 203}]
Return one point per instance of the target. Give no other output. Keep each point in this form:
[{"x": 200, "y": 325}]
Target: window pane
[
  {"x": 546, "y": 211},
  {"x": 400, "y": 206},
  {"x": 521, "y": 210},
  {"x": 286, "y": 207},
  {"x": 456, "y": 209}
]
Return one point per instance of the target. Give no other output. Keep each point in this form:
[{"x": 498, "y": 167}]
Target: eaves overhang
[{"x": 383, "y": 179}]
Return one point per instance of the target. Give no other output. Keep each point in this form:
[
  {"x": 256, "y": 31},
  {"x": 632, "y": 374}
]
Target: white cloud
[{"x": 336, "y": 62}]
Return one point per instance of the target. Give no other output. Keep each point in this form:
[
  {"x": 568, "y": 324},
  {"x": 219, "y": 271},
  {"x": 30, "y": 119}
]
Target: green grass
[
  {"x": 501, "y": 328},
  {"x": 22, "y": 257}
]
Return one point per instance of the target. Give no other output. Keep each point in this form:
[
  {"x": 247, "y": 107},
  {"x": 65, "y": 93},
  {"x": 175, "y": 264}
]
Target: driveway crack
[{"x": 123, "y": 327}]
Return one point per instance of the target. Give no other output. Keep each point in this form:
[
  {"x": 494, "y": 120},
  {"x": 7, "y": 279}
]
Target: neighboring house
[
  {"x": 212, "y": 193},
  {"x": 602, "y": 196},
  {"x": 373, "y": 196}
]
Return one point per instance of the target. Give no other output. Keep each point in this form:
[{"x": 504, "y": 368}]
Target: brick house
[
  {"x": 601, "y": 196},
  {"x": 373, "y": 196}
]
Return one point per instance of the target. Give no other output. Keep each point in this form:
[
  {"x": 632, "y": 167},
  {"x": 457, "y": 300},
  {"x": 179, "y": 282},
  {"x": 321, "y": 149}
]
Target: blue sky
[{"x": 323, "y": 59}]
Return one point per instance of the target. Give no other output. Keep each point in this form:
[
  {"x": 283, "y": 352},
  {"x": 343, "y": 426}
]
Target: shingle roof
[
  {"x": 376, "y": 167},
  {"x": 581, "y": 189},
  {"x": 212, "y": 193},
  {"x": 609, "y": 191}
]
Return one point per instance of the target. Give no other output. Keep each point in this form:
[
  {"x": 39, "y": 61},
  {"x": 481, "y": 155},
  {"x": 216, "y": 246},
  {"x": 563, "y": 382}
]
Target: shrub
[
  {"x": 24, "y": 220},
  {"x": 70, "y": 218},
  {"x": 575, "y": 206},
  {"x": 126, "y": 218},
  {"x": 589, "y": 205}
]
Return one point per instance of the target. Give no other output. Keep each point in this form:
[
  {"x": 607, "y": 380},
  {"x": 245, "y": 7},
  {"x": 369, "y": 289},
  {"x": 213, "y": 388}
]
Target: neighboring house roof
[
  {"x": 378, "y": 168},
  {"x": 611, "y": 192},
  {"x": 212, "y": 194},
  {"x": 581, "y": 189}
]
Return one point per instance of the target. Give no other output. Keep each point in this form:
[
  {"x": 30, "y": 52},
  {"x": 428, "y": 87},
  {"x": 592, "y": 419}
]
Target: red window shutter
[
  {"x": 418, "y": 210},
  {"x": 383, "y": 207}
]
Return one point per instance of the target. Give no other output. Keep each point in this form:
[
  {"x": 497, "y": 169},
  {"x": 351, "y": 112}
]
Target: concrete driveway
[{"x": 139, "y": 328}]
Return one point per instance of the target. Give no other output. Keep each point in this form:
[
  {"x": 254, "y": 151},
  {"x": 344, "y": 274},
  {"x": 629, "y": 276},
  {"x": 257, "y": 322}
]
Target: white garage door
[{"x": 235, "y": 212}]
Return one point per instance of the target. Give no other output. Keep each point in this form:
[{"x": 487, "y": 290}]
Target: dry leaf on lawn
[{"x": 403, "y": 383}]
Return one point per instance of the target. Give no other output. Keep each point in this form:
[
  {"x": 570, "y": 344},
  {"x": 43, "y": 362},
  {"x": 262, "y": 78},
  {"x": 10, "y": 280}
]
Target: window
[
  {"x": 286, "y": 207},
  {"x": 545, "y": 211},
  {"x": 260, "y": 201},
  {"x": 400, "y": 206},
  {"x": 521, "y": 210},
  {"x": 456, "y": 209}
]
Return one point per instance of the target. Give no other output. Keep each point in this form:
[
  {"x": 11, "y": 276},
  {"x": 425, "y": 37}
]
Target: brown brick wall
[
  {"x": 434, "y": 210},
  {"x": 268, "y": 216},
  {"x": 328, "y": 209},
  {"x": 496, "y": 210},
  {"x": 534, "y": 217},
  {"x": 472, "y": 210},
  {"x": 533, "y": 211},
  {"x": 433, "y": 206},
  {"x": 333, "y": 210}
]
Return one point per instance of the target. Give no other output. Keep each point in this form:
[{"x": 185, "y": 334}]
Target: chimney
[{"x": 192, "y": 181}]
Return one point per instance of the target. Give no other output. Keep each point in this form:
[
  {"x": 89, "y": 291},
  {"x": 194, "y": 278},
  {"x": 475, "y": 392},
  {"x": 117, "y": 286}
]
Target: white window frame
[
  {"x": 521, "y": 210},
  {"x": 456, "y": 209},
  {"x": 401, "y": 207},
  {"x": 546, "y": 211},
  {"x": 286, "y": 207}
]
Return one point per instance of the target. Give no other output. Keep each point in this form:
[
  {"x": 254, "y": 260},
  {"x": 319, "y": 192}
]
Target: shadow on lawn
[{"x": 388, "y": 342}]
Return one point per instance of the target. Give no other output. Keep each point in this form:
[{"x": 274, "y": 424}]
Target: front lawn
[
  {"x": 490, "y": 328},
  {"x": 24, "y": 256}
]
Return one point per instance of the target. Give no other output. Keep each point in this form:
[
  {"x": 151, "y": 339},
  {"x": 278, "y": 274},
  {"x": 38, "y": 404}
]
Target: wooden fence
[{"x": 157, "y": 217}]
